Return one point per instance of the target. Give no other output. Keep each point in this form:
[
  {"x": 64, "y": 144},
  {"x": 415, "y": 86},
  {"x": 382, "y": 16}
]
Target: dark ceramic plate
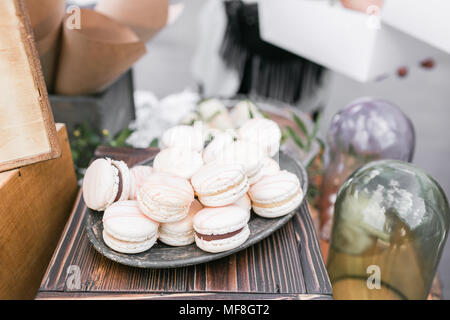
[{"x": 161, "y": 256}]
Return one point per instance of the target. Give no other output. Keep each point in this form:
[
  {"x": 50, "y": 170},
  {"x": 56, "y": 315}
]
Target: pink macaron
[
  {"x": 139, "y": 175},
  {"x": 165, "y": 198},
  {"x": 106, "y": 181}
]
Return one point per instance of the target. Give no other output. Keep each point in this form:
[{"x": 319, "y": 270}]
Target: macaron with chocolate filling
[
  {"x": 221, "y": 229},
  {"x": 276, "y": 195},
  {"x": 106, "y": 181}
]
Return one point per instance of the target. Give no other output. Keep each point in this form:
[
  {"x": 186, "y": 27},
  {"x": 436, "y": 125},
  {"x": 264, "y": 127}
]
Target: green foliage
[
  {"x": 85, "y": 139},
  {"x": 305, "y": 142},
  {"x": 154, "y": 143}
]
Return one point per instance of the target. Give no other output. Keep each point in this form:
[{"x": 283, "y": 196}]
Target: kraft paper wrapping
[
  {"x": 95, "y": 55},
  {"x": 46, "y": 19},
  {"x": 145, "y": 17}
]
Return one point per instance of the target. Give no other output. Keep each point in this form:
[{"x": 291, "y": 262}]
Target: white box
[
  {"x": 340, "y": 39},
  {"x": 427, "y": 20}
]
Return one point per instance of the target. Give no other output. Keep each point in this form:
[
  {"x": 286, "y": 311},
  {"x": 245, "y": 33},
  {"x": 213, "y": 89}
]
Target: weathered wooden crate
[
  {"x": 35, "y": 202},
  {"x": 112, "y": 109},
  {"x": 27, "y": 128}
]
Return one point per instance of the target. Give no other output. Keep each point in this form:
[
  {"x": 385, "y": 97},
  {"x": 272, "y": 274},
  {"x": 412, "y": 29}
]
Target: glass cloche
[
  {"x": 390, "y": 226},
  {"x": 367, "y": 129}
]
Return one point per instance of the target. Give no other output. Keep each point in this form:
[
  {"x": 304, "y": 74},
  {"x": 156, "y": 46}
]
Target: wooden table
[{"x": 286, "y": 265}]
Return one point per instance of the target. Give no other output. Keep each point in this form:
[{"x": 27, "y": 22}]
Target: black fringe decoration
[{"x": 264, "y": 69}]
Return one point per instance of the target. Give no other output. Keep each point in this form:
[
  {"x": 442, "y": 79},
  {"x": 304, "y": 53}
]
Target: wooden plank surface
[
  {"x": 286, "y": 265},
  {"x": 35, "y": 202},
  {"x": 27, "y": 128}
]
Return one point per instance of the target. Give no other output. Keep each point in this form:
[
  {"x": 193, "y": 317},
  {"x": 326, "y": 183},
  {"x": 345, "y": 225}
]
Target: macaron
[
  {"x": 106, "y": 181},
  {"x": 263, "y": 132},
  {"x": 139, "y": 175},
  {"x": 221, "y": 229},
  {"x": 183, "y": 136},
  {"x": 165, "y": 197},
  {"x": 276, "y": 195},
  {"x": 126, "y": 229},
  {"x": 243, "y": 111},
  {"x": 246, "y": 154},
  {"x": 180, "y": 233},
  {"x": 219, "y": 185},
  {"x": 215, "y": 147},
  {"x": 210, "y": 108},
  {"x": 270, "y": 167},
  {"x": 178, "y": 161},
  {"x": 244, "y": 203}
]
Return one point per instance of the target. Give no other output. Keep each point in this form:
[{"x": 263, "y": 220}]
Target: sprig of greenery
[
  {"x": 85, "y": 139},
  {"x": 309, "y": 138}
]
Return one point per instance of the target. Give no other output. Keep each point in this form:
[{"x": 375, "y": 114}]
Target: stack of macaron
[{"x": 194, "y": 194}]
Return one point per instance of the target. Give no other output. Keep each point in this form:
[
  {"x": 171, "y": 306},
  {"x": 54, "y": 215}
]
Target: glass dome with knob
[
  {"x": 367, "y": 129},
  {"x": 390, "y": 226}
]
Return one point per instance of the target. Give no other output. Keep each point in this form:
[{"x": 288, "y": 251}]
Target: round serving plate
[{"x": 161, "y": 256}]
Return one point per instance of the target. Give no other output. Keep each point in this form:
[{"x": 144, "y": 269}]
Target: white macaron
[
  {"x": 180, "y": 233},
  {"x": 244, "y": 203},
  {"x": 244, "y": 111},
  {"x": 246, "y": 154},
  {"x": 165, "y": 197},
  {"x": 126, "y": 229},
  {"x": 106, "y": 181},
  {"x": 215, "y": 147},
  {"x": 221, "y": 229},
  {"x": 263, "y": 132},
  {"x": 179, "y": 161},
  {"x": 219, "y": 185},
  {"x": 139, "y": 175},
  {"x": 276, "y": 195},
  {"x": 183, "y": 136},
  {"x": 270, "y": 167}
]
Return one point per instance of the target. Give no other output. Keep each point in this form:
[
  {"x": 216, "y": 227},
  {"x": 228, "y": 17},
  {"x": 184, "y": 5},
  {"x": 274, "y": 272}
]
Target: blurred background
[
  {"x": 214, "y": 48},
  {"x": 423, "y": 95}
]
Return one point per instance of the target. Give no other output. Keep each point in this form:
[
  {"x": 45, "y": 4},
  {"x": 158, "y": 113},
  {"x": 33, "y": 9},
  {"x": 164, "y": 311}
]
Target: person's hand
[{"x": 361, "y": 5}]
